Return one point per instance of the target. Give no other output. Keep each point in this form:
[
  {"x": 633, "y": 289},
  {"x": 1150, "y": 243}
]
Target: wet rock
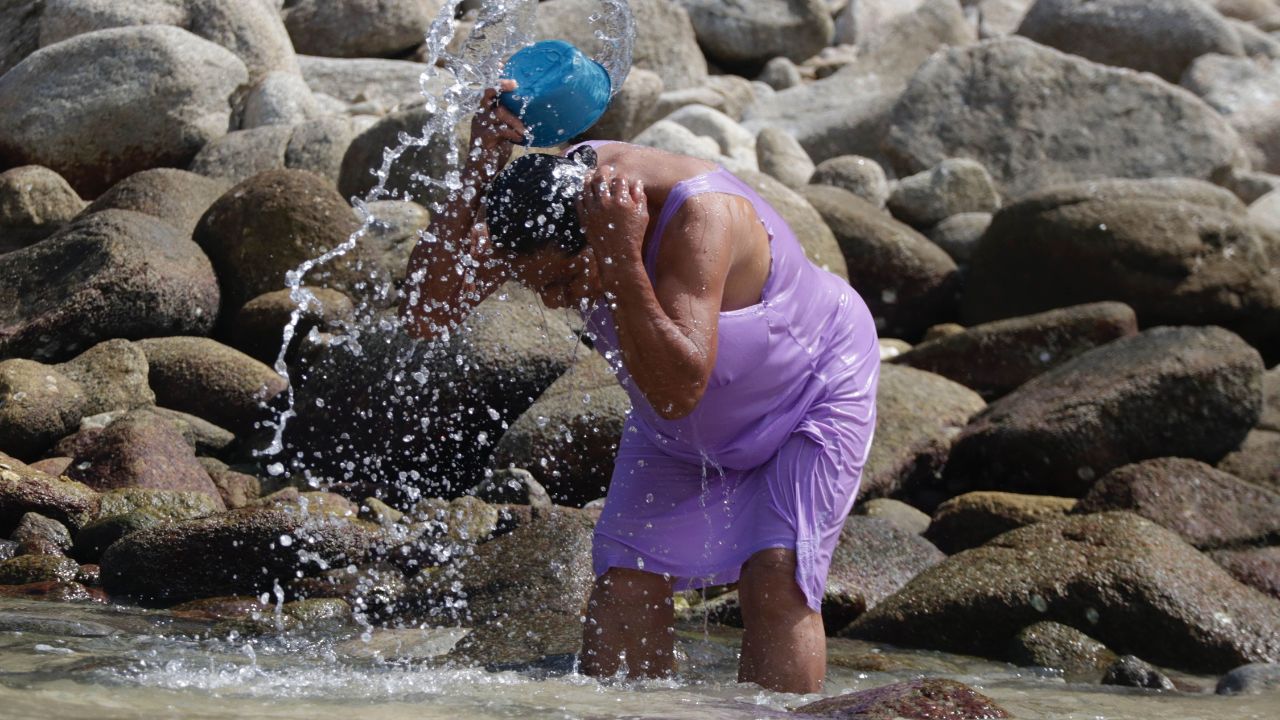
[
  {"x": 141, "y": 450},
  {"x": 896, "y": 512},
  {"x": 959, "y": 234},
  {"x": 313, "y": 503},
  {"x": 38, "y": 405},
  {"x": 376, "y": 511},
  {"x": 376, "y": 590},
  {"x": 113, "y": 377},
  {"x": 1119, "y": 32},
  {"x": 569, "y": 437},
  {"x": 995, "y": 358},
  {"x": 97, "y": 536},
  {"x": 1131, "y": 671},
  {"x": 969, "y": 520},
  {"x": 925, "y": 698},
  {"x": 1250, "y": 679},
  {"x": 908, "y": 282},
  {"x": 953, "y": 186},
  {"x": 1192, "y": 392},
  {"x": 745, "y": 35},
  {"x": 630, "y": 110},
  {"x": 819, "y": 244},
  {"x": 513, "y": 486},
  {"x": 918, "y": 416},
  {"x": 1075, "y": 120},
  {"x": 780, "y": 156},
  {"x": 859, "y": 175},
  {"x": 168, "y": 96},
  {"x": 24, "y": 489},
  {"x": 243, "y": 551},
  {"x": 1195, "y": 257},
  {"x": 1054, "y": 645},
  {"x": 34, "y": 202},
  {"x": 664, "y": 43},
  {"x": 1256, "y": 567},
  {"x": 25, "y": 569},
  {"x": 54, "y": 591},
  {"x": 258, "y": 329},
  {"x": 210, "y": 380},
  {"x": 165, "y": 504},
  {"x": 39, "y": 535},
  {"x": 203, "y": 436},
  {"x": 1206, "y": 507},
  {"x": 390, "y": 84},
  {"x": 237, "y": 489},
  {"x": 525, "y": 591},
  {"x": 176, "y": 196},
  {"x": 872, "y": 561},
  {"x": 359, "y": 28},
  {"x": 135, "y": 277},
  {"x": 1257, "y": 460},
  {"x": 220, "y": 608},
  {"x": 1244, "y": 91},
  {"x": 1137, "y": 587},
  {"x": 52, "y": 466}
]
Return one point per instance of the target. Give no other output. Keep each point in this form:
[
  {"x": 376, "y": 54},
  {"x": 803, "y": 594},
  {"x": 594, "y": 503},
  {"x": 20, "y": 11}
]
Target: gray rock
[
  {"x": 859, "y": 21},
  {"x": 995, "y": 358},
  {"x": 390, "y": 84},
  {"x": 569, "y": 437},
  {"x": 251, "y": 30},
  {"x": 897, "y": 512},
  {"x": 177, "y": 197},
  {"x": 735, "y": 142},
  {"x": 168, "y": 95},
  {"x": 630, "y": 110},
  {"x": 1206, "y": 507},
  {"x": 279, "y": 98},
  {"x": 1250, "y": 679},
  {"x": 1156, "y": 36},
  {"x": 747, "y": 34},
  {"x": 664, "y": 42},
  {"x": 1254, "y": 41},
  {"x": 317, "y": 146},
  {"x": 908, "y": 282},
  {"x": 1131, "y": 671},
  {"x": 512, "y": 486},
  {"x": 1076, "y": 120},
  {"x": 918, "y": 416},
  {"x": 395, "y": 229},
  {"x": 1110, "y": 407},
  {"x": 820, "y": 245},
  {"x": 135, "y": 276},
  {"x": 365, "y": 155},
  {"x": 970, "y": 520},
  {"x": 1137, "y": 587},
  {"x": 39, "y": 535},
  {"x": 1054, "y": 645},
  {"x": 359, "y": 28},
  {"x": 1265, "y": 212},
  {"x": 779, "y": 155},
  {"x": 258, "y": 329},
  {"x": 34, "y": 202},
  {"x": 210, "y": 380},
  {"x": 873, "y": 559},
  {"x": 780, "y": 73},
  {"x": 1270, "y": 419},
  {"x": 19, "y": 31},
  {"x": 997, "y": 18},
  {"x": 953, "y": 186},
  {"x": 859, "y": 175},
  {"x": 1192, "y": 257},
  {"x": 678, "y": 139},
  {"x": 112, "y": 375},
  {"x": 1246, "y": 92},
  {"x": 959, "y": 234},
  {"x": 1248, "y": 185},
  {"x": 40, "y": 405}
]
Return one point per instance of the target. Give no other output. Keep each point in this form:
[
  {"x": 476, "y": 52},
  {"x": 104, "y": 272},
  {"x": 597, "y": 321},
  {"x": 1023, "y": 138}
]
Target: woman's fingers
[
  {"x": 508, "y": 118},
  {"x": 637, "y": 193},
  {"x": 507, "y": 85}
]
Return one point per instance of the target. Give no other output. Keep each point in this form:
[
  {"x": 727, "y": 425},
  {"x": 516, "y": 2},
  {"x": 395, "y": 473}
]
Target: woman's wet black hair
[{"x": 532, "y": 202}]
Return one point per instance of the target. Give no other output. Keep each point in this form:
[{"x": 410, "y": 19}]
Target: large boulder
[
  {"x": 1036, "y": 117},
  {"x": 569, "y": 437},
  {"x": 359, "y": 28},
  {"x": 1130, "y": 583},
  {"x": 1193, "y": 392},
  {"x": 820, "y": 245},
  {"x": 178, "y": 197},
  {"x": 317, "y": 146},
  {"x": 112, "y": 274},
  {"x": 210, "y": 380},
  {"x": 24, "y": 489},
  {"x": 167, "y": 92},
  {"x": 1177, "y": 251},
  {"x": 918, "y": 416},
  {"x": 747, "y": 34},
  {"x": 873, "y": 559},
  {"x": 34, "y": 202},
  {"x": 19, "y": 31},
  {"x": 251, "y": 30},
  {"x": 908, "y": 282},
  {"x": 1156, "y": 36},
  {"x": 38, "y": 406},
  {"x": 969, "y": 520},
  {"x": 387, "y": 84},
  {"x": 267, "y": 226},
  {"x": 1246, "y": 91},
  {"x": 995, "y": 358},
  {"x": 242, "y": 552},
  {"x": 1206, "y": 507}
]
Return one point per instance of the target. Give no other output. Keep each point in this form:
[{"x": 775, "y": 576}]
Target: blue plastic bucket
[{"x": 561, "y": 92}]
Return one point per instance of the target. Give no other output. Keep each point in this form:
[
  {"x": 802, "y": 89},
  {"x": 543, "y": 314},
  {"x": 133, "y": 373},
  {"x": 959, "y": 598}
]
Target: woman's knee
[{"x": 768, "y": 590}]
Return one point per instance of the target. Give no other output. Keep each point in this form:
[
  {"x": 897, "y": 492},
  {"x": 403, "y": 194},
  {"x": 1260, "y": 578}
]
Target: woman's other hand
[
  {"x": 615, "y": 215},
  {"x": 494, "y": 127}
]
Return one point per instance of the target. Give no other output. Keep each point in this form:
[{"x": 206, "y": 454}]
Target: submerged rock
[
  {"x": 1060, "y": 647},
  {"x": 872, "y": 561},
  {"x": 1192, "y": 392},
  {"x": 912, "y": 700},
  {"x": 1131, "y": 671},
  {"x": 1136, "y": 586},
  {"x": 969, "y": 520},
  {"x": 1250, "y": 679}
]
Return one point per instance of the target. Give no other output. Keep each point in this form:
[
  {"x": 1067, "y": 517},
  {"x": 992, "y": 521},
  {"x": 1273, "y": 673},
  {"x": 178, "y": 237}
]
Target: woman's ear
[{"x": 585, "y": 155}]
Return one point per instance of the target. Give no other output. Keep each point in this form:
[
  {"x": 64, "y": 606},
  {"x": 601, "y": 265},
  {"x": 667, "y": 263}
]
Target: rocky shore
[{"x": 1065, "y": 217}]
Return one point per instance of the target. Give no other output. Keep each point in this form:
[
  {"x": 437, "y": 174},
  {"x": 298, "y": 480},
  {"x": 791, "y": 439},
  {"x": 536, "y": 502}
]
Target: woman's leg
[
  {"x": 630, "y": 612},
  {"x": 784, "y": 647}
]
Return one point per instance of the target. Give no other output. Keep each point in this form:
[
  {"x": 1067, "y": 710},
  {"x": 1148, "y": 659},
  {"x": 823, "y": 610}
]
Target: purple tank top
[{"x": 777, "y": 360}]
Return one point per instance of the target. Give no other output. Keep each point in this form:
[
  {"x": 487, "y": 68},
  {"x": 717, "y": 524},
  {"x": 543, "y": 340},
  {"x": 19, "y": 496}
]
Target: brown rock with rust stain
[{"x": 924, "y": 699}]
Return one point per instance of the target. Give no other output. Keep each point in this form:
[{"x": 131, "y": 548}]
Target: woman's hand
[
  {"x": 494, "y": 127},
  {"x": 615, "y": 215}
]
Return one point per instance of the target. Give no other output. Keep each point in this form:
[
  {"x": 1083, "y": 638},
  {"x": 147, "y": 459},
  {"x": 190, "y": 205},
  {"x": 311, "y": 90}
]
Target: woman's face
[{"x": 560, "y": 280}]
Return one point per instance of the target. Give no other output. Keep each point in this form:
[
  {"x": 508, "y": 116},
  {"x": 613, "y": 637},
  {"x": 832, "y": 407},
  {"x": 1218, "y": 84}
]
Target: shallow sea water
[{"x": 99, "y": 663}]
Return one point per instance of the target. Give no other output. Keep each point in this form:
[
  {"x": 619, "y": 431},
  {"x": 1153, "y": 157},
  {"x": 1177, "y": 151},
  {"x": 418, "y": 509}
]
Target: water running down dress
[{"x": 772, "y": 454}]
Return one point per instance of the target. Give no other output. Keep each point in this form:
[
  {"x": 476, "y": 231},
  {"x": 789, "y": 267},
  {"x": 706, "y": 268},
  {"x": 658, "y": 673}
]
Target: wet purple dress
[{"x": 772, "y": 454}]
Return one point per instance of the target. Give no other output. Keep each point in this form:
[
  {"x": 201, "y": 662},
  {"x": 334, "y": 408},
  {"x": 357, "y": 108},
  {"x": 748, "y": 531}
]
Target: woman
[{"x": 752, "y": 375}]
